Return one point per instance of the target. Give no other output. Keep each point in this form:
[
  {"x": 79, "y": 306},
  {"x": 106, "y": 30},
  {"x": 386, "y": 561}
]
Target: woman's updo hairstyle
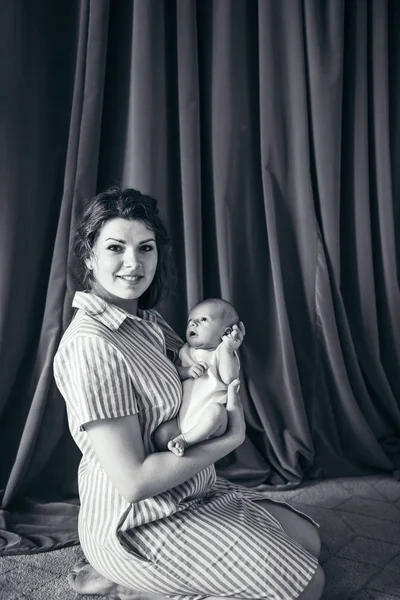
[{"x": 132, "y": 205}]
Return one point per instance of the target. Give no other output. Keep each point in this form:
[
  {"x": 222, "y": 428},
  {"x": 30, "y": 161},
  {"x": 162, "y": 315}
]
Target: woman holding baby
[{"x": 155, "y": 521}]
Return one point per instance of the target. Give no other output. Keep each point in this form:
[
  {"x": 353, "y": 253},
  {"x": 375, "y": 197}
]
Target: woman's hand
[
  {"x": 240, "y": 330},
  {"x": 236, "y": 423}
]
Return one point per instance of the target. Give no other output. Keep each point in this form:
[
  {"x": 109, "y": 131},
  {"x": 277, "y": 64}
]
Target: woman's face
[{"x": 123, "y": 262}]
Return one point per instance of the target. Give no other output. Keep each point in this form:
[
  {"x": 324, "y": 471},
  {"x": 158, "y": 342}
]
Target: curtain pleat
[
  {"x": 190, "y": 147},
  {"x": 45, "y": 421},
  {"x": 42, "y": 431}
]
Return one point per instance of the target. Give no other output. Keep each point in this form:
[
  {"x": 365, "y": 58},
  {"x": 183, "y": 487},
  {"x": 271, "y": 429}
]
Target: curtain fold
[
  {"x": 45, "y": 419},
  {"x": 268, "y": 132}
]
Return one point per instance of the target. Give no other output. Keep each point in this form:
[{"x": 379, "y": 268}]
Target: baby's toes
[
  {"x": 180, "y": 447},
  {"x": 175, "y": 450}
]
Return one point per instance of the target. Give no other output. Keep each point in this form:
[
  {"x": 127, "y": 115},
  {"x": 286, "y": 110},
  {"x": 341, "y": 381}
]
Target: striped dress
[{"x": 204, "y": 537}]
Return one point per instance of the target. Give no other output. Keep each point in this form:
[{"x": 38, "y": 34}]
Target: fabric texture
[
  {"x": 190, "y": 541},
  {"x": 269, "y": 133}
]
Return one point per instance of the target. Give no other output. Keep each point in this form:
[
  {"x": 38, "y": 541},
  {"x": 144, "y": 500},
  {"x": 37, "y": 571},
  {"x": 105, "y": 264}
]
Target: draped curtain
[{"x": 269, "y": 132}]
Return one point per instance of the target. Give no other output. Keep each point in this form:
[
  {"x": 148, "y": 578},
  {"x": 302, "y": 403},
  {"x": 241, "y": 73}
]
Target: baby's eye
[{"x": 203, "y": 319}]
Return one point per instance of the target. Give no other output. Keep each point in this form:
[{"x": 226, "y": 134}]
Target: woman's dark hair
[{"x": 132, "y": 205}]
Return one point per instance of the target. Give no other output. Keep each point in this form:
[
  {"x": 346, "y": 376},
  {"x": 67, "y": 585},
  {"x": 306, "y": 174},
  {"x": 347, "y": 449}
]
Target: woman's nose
[{"x": 131, "y": 259}]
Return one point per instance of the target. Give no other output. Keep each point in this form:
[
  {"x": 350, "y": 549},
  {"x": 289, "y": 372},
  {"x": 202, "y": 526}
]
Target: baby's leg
[
  {"x": 164, "y": 433},
  {"x": 212, "y": 422}
]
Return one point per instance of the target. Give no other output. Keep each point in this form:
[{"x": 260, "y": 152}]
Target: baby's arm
[
  {"x": 193, "y": 370},
  {"x": 229, "y": 365}
]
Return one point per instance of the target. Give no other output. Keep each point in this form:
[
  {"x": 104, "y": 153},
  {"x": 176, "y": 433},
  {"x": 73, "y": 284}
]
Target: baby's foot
[{"x": 178, "y": 445}]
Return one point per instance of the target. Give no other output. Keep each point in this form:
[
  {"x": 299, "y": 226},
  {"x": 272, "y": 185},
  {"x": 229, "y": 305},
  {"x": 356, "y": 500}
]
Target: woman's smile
[
  {"x": 124, "y": 262},
  {"x": 131, "y": 279}
]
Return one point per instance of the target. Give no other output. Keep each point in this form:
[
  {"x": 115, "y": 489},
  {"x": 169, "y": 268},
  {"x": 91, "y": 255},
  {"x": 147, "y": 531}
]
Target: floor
[{"x": 360, "y": 529}]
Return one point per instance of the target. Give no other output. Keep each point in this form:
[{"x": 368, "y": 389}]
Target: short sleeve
[{"x": 94, "y": 380}]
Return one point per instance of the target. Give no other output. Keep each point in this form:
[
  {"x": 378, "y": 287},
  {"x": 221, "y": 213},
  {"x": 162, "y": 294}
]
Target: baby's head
[{"x": 208, "y": 321}]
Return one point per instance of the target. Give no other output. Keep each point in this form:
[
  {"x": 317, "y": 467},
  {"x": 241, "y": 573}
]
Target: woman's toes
[
  {"x": 87, "y": 581},
  {"x": 71, "y": 579},
  {"x": 80, "y": 564}
]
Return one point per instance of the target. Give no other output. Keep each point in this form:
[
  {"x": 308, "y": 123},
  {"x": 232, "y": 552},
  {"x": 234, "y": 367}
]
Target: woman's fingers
[{"x": 242, "y": 328}]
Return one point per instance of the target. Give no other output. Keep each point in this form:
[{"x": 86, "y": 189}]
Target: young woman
[{"x": 151, "y": 524}]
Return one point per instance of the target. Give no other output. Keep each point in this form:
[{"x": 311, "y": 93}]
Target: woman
[{"x": 151, "y": 524}]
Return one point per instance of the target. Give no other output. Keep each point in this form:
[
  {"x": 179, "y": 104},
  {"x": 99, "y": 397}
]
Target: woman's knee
[
  {"x": 316, "y": 586},
  {"x": 312, "y": 540},
  {"x": 296, "y": 526},
  {"x": 307, "y": 535}
]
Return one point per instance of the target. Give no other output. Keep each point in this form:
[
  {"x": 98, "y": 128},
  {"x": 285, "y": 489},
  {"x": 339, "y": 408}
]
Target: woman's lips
[{"x": 131, "y": 279}]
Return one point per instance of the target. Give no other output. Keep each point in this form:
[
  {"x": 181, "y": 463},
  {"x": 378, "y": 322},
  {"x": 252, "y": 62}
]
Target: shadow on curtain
[{"x": 269, "y": 133}]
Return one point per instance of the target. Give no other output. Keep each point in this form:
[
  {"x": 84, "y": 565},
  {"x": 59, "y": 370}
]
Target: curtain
[{"x": 269, "y": 133}]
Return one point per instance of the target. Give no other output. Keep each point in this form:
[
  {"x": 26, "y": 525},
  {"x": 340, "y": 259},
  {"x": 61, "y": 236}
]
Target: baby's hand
[
  {"x": 197, "y": 369},
  {"x": 234, "y": 338}
]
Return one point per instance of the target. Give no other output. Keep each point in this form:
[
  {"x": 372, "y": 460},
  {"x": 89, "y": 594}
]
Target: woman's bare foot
[
  {"x": 85, "y": 580},
  {"x": 178, "y": 445}
]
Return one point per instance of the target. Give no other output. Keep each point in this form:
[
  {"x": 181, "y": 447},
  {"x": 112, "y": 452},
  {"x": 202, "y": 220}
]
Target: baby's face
[{"x": 205, "y": 327}]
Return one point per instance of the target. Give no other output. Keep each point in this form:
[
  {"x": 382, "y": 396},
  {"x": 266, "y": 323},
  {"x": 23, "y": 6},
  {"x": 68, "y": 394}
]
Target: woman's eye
[
  {"x": 146, "y": 248},
  {"x": 115, "y": 248}
]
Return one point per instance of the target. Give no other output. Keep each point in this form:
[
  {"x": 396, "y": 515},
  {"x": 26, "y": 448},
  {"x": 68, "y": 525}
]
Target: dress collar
[{"x": 109, "y": 314}]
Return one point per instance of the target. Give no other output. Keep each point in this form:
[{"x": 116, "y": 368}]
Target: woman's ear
[{"x": 89, "y": 264}]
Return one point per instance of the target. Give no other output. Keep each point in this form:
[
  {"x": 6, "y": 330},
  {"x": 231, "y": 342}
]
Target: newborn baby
[{"x": 208, "y": 363}]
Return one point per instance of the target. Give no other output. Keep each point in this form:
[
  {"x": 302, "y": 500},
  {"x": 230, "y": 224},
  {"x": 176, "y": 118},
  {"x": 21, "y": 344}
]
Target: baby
[{"x": 208, "y": 362}]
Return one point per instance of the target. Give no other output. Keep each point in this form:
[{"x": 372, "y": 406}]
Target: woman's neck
[{"x": 130, "y": 306}]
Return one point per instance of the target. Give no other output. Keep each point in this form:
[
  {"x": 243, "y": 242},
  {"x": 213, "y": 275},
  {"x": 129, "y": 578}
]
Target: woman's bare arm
[{"x": 119, "y": 448}]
